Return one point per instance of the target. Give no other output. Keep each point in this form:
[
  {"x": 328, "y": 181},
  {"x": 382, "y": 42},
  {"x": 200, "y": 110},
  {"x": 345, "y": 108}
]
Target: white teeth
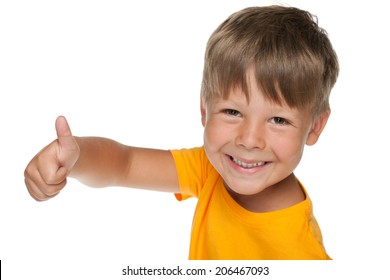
[{"x": 247, "y": 165}]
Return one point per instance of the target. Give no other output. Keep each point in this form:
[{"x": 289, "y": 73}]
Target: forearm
[
  {"x": 97, "y": 162},
  {"x": 102, "y": 162}
]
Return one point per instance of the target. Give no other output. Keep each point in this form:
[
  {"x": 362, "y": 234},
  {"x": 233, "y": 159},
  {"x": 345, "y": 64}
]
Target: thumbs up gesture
[{"x": 45, "y": 175}]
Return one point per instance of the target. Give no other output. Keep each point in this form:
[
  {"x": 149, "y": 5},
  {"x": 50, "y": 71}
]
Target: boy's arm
[
  {"x": 105, "y": 162},
  {"x": 97, "y": 162}
]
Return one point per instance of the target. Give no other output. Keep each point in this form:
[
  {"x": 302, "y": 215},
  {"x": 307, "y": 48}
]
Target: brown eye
[
  {"x": 232, "y": 112},
  {"x": 279, "y": 120}
]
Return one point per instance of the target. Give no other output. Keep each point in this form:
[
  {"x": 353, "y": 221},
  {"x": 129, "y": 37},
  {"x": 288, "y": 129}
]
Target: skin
[
  {"x": 255, "y": 145},
  {"x": 250, "y": 131},
  {"x": 97, "y": 162}
]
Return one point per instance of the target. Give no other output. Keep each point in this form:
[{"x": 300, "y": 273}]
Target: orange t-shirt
[{"x": 222, "y": 229}]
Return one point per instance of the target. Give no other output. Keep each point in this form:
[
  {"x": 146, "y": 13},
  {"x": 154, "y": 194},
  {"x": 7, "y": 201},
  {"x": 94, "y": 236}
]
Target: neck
[{"x": 282, "y": 195}]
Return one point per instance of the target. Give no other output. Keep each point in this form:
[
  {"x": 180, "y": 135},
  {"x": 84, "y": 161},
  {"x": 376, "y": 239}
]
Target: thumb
[{"x": 68, "y": 151}]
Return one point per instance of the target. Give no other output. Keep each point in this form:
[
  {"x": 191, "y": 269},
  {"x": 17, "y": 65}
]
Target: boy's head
[{"x": 292, "y": 58}]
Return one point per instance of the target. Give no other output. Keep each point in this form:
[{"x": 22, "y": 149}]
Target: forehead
[
  {"x": 257, "y": 102},
  {"x": 253, "y": 98},
  {"x": 252, "y": 93}
]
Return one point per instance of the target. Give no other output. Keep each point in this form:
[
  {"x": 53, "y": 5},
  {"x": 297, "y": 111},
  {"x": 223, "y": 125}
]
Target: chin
[{"x": 244, "y": 189}]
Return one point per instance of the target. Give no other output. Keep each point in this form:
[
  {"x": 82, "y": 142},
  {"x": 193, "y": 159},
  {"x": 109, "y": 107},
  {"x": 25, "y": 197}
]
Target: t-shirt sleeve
[{"x": 192, "y": 168}]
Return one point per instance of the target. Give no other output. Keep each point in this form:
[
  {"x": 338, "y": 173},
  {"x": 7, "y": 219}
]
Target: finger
[
  {"x": 64, "y": 134},
  {"x": 34, "y": 191},
  {"x": 46, "y": 168},
  {"x": 38, "y": 189},
  {"x": 68, "y": 148},
  {"x": 43, "y": 179}
]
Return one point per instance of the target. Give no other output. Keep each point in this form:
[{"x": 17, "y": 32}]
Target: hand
[{"x": 45, "y": 175}]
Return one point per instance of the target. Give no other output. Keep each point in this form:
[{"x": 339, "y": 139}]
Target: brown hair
[{"x": 292, "y": 56}]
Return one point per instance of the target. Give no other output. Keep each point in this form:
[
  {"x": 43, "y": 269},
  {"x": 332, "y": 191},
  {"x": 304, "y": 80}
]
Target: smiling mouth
[{"x": 247, "y": 165}]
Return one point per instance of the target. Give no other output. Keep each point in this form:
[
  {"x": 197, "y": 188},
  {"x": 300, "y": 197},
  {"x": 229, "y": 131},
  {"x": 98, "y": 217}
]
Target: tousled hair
[{"x": 292, "y": 57}]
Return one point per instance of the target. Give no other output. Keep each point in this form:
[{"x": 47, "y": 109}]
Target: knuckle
[
  {"x": 36, "y": 195},
  {"x": 29, "y": 170},
  {"x": 52, "y": 190},
  {"x": 39, "y": 198},
  {"x": 42, "y": 178},
  {"x": 50, "y": 179}
]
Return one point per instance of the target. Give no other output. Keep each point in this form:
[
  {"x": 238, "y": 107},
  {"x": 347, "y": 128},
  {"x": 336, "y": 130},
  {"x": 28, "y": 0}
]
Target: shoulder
[
  {"x": 192, "y": 156},
  {"x": 193, "y": 170}
]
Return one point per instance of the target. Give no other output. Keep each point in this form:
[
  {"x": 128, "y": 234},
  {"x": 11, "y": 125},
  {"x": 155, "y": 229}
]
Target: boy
[{"x": 265, "y": 94}]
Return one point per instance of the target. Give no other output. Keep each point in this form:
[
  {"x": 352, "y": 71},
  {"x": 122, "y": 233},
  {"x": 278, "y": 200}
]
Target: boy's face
[{"x": 256, "y": 144}]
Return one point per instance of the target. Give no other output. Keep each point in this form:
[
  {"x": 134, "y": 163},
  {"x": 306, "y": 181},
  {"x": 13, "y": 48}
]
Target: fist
[{"x": 45, "y": 175}]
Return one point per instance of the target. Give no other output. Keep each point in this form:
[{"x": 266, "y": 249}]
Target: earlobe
[
  {"x": 203, "y": 111},
  {"x": 317, "y": 128}
]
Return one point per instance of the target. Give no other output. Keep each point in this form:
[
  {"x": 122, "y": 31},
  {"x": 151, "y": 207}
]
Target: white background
[{"x": 131, "y": 71}]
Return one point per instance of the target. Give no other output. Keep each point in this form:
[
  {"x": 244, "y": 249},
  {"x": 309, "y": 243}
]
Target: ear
[
  {"x": 203, "y": 111},
  {"x": 317, "y": 128}
]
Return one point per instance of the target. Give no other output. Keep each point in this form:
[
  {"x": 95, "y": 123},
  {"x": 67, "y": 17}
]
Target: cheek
[
  {"x": 215, "y": 134},
  {"x": 287, "y": 150},
  {"x": 211, "y": 142}
]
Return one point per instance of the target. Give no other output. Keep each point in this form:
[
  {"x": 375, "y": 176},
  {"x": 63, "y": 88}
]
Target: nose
[{"x": 251, "y": 135}]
